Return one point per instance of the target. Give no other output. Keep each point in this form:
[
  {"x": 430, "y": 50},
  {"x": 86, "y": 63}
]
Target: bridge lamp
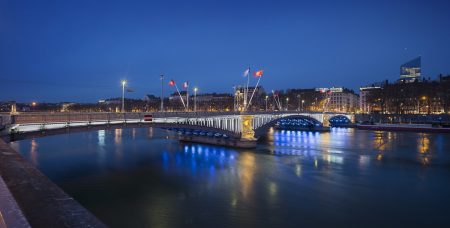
[
  {"x": 124, "y": 82},
  {"x": 195, "y": 99},
  {"x": 287, "y": 103},
  {"x": 267, "y": 97}
]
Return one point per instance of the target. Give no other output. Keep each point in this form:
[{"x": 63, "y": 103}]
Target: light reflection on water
[{"x": 140, "y": 178}]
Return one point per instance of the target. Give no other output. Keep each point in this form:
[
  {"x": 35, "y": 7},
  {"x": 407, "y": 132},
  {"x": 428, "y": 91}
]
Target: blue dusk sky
[{"x": 80, "y": 50}]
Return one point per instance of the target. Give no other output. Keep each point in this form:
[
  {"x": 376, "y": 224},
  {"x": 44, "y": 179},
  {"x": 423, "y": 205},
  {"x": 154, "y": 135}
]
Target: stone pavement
[
  {"x": 41, "y": 201},
  {"x": 10, "y": 213}
]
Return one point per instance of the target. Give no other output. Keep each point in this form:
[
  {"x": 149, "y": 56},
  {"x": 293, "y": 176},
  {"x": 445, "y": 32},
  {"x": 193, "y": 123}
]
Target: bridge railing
[
  {"x": 43, "y": 117},
  {"x": 74, "y": 117}
]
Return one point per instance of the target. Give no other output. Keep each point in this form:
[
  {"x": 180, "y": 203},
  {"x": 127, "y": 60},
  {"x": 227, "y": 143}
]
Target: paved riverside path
[
  {"x": 10, "y": 213},
  {"x": 42, "y": 202}
]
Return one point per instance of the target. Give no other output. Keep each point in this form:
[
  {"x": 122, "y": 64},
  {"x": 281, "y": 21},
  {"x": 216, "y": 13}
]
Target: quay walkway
[{"x": 28, "y": 198}]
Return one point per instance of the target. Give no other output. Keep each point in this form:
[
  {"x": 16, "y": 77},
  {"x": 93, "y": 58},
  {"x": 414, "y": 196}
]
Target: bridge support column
[
  {"x": 325, "y": 120},
  {"x": 352, "y": 118},
  {"x": 248, "y": 139},
  {"x": 13, "y": 109}
]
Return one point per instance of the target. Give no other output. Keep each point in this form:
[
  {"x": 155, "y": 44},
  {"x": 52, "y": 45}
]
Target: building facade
[
  {"x": 411, "y": 70},
  {"x": 418, "y": 97},
  {"x": 257, "y": 102},
  {"x": 341, "y": 100},
  {"x": 365, "y": 106}
]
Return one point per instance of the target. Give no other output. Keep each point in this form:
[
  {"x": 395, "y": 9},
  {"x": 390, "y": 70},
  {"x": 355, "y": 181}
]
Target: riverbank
[
  {"x": 41, "y": 201},
  {"x": 404, "y": 127}
]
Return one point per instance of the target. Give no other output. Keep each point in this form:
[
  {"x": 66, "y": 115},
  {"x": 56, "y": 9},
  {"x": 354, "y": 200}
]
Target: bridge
[{"x": 220, "y": 128}]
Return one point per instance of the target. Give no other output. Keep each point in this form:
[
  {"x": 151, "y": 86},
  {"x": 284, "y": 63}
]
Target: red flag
[
  {"x": 172, "y": 83},
  {"x": 258, "y": 73}
]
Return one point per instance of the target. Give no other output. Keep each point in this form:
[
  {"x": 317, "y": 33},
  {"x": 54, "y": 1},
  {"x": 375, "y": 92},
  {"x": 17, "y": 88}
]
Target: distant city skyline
[{"x": 80, "y": 51}]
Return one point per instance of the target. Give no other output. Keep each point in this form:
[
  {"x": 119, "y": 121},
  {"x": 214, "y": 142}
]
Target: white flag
[{"x": 247, "y": 72}]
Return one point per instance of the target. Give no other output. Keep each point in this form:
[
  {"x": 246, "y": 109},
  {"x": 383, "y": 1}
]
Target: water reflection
[
  {"x": 380, "y": 144},
  {"x": 34, "y": 153},
  {"x": 101, "y": 134},
  {"x": 364, "y": 161},
  {"x": 423, "y": 146},
  {"x": 101, "y": 138},
  {"x": 247, "y": 170},
  {"x": 197, "y": 159},
  {"x": 298, "y": 170},
  {"x": 150, "y": 132},
  {"x": 118, "y": 136},
  {"x": 118, "y": 149}
]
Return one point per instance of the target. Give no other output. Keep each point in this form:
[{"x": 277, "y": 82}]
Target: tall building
[
  {"x": 364, "y": 92},
  {"x": 339, "y": 99},
  {"x": 411, "y": 70}
]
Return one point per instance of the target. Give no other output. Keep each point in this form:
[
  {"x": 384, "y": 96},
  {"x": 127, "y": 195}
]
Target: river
[{"x": 143, "y": 177}]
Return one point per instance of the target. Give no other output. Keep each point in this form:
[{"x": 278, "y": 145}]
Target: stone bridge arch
[
  {"x": 339, "y": 120},
  {"x": 310, "y": 121}
]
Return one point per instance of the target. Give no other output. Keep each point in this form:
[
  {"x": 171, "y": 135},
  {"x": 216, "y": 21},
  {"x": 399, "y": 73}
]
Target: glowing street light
[
  {"x": 124, "y": 82},
  {"x": 162, "y": 92},
  {"x": 287, "y": 103},
  {"x": 303, "y": 101},
  {"x": 267, "y": 97},
  {"x": 195, "y": 99}
]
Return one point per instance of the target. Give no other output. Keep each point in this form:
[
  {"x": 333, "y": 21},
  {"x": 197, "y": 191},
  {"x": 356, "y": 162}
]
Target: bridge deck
[{"x": 230, "y": 123}]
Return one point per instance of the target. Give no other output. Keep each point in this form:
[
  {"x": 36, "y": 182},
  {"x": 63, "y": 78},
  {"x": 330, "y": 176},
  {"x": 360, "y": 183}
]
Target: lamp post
[
  {"x": 287, "y": 103},
  {"x": 33, "y": 105},
  {"x": 303, "y": 101},
  {"x": 234, "y": 98},
  {"x": 195, "y": 99},
  {"x": 267, "y": 97},
  {"x": 123, "y": 95},
  {"x": 424, "y": 98},
  {"x": 162, "y": 92}
]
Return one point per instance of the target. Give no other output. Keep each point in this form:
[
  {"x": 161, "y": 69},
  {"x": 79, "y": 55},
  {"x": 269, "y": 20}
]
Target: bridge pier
[
  {"x": 325, "y": 120},
  {"x": 230, "y": 142},
  {"x": 246, "y": 140}
]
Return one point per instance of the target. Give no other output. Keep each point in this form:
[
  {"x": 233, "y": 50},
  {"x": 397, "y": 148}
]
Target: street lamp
[
  {"x": 424, "y": 98},
  {"x": 267, "y": 97},
  {"x": 287, "y": 103},
  {"x": 303, "y": 101},
  {"x": 195, "y": 99},
  {"x": 123, "y": 95},
  {"x": 162, "y": 92}
]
